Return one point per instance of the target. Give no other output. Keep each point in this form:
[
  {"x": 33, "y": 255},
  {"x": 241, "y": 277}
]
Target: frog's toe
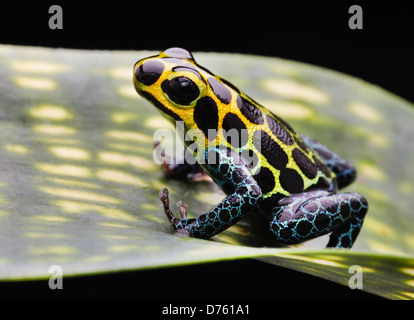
[
  {"x": 179, "y": 225},
  {"x": 166, "y": 203},
  {"x": 182, "y": 208}
]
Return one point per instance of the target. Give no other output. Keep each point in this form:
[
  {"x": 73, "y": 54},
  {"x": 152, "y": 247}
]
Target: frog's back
[{"x": 286, "y": 164}]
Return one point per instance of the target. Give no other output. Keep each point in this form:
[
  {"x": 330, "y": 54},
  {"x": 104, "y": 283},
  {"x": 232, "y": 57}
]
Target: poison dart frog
[{"x": 291, "y": 178}]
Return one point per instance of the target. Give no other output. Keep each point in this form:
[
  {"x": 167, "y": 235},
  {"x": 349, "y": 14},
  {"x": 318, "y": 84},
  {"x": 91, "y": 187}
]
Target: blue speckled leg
[
  {"x": 244, "y": 196},
  {"x": 308, "y": 215},
  {"x": 344, "y": 171}
]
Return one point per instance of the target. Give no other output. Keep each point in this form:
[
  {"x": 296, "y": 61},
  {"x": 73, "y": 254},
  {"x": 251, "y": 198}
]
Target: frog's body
[{"x": 291, "y": 178}]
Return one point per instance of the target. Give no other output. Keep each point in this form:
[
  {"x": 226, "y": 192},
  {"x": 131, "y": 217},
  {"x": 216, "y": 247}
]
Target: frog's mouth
[
  {"x": 167, "y": 113},
  {"x": 138, "y": 90}
]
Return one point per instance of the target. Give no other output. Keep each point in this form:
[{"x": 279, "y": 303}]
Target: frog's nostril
[{"x": 149, "y": 72}]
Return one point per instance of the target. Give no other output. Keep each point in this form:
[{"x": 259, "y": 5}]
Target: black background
[
  {"x": 317, "y": 33},
  {"x": 313, "y": 32}
]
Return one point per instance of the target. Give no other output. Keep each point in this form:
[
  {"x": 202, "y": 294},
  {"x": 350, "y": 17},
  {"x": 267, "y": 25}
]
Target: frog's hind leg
[
  {"x": 180, "y": 169},
  {"x": 345, "y": 172},
  {"x": 308, "y": 215}
]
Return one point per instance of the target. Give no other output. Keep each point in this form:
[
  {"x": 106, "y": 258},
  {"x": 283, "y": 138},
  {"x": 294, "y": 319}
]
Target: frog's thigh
[
  {"x": 344, "y": 171},
  {"x": 311, "y": 214}
]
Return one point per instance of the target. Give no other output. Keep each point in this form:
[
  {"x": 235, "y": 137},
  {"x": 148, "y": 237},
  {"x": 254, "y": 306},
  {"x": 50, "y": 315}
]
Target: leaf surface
[{"x": 79, "y": 187}]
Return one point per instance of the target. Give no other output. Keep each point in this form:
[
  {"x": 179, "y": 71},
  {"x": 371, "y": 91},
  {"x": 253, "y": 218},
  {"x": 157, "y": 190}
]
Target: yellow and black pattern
[
  {"x": 266, "y": 165},
  {"x": 183, "y": 90}
]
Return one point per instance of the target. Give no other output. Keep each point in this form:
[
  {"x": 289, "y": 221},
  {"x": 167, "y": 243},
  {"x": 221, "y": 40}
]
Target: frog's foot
[
  {"x": 180, "y": 169},
  {"x": 179, "y": 225},
  {"x": 308, "y": 215}
]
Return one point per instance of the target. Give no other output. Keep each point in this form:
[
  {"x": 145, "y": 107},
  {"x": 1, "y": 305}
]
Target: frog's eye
[{"x": 181, "y": 90}]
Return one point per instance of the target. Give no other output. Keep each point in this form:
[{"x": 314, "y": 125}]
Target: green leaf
[{"x": 79, "y": 188}]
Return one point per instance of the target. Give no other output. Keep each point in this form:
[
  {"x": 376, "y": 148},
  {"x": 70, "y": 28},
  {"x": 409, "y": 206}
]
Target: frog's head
[{"x": 181, "y": 89}]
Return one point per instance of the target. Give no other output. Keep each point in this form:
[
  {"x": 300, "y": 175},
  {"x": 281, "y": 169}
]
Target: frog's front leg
[
  {"x": 308, "y": 215},
  {"x": 179, "y": 168},
  {"x": 246, "y": 196}
]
